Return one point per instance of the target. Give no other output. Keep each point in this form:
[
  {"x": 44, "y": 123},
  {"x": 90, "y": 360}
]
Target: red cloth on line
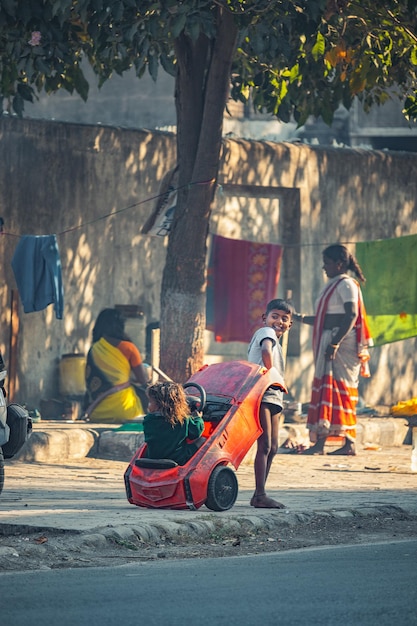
[{"x": 243, "y": 277}]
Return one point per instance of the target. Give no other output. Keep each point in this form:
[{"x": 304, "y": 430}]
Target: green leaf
[
  {"x": 319, "y": 47},
  {"x": 9, "y": 7},
  {"x": 283, "y": 90},
  {"x": 327, "y": 113},
  {"x": 294, "y": 73},
  {"x": 25, "y": 91},
  {"x": 153, "y": 66},
  {"x": 168, "y": 64},
  {"x": 193, "y": 30},
  {"x": 284, "y": 112},
  {"x": 81, "y": 85},
  {"x": 178, "y": 25},
  {"x": 410, "y": 108}
]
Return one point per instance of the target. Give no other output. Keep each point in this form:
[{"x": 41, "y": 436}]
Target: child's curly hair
[{"x": 171, "y": 401}]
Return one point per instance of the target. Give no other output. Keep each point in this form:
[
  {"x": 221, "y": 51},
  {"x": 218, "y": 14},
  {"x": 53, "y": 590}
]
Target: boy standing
[{"x": 264, "y": 349}]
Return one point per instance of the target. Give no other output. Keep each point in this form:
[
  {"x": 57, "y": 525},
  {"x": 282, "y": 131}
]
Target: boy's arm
[{"x": 266, "y": 348}]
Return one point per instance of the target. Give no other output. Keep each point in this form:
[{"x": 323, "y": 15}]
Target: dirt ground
[
  {"x": 372, "y": 495},
  {"x": 68, "y": 550}
]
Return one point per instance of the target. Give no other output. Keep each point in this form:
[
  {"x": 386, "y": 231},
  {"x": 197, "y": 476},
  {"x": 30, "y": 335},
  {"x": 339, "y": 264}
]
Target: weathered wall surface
[{"x": 65, "y": 179}]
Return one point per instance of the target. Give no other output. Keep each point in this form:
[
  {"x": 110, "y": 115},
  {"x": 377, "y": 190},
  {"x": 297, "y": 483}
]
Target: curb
[
  {"x": 241, "y": 526},
  {"x": 56, "y": 443}
]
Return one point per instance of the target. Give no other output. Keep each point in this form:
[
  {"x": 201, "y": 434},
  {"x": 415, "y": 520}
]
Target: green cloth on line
[{"x": 390, "y": 292}]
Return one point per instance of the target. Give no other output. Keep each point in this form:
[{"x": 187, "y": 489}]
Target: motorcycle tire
[
  {"x": 1, "y": 470},
  {"x": 20, "y": 425}
]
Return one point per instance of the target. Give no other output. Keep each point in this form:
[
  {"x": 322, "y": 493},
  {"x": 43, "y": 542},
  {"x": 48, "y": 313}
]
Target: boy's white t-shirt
[{"x": 273, "y": 396}]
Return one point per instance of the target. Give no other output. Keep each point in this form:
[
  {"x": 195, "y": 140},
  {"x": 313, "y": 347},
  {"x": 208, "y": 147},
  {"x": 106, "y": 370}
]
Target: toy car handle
[{"x": 201, "y": 391}]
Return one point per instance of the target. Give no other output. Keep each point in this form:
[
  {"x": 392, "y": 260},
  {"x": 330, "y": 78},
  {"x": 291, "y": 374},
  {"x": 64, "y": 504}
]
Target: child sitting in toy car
[{"x": 169, "y": 429}]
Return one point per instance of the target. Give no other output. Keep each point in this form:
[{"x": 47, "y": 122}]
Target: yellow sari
[{"x": 108, "y": 375}]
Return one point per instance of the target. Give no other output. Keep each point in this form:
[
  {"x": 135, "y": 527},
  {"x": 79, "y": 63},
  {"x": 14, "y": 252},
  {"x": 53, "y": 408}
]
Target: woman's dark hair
[
  {"x": 339, "y": 253},
  {"x": 109, "y": 322}
]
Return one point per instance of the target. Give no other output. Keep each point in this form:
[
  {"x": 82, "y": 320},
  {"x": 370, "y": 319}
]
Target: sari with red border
[{"x": 334, "y": 396}]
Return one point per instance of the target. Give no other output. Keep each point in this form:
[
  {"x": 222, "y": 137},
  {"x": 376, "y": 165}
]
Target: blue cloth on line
[{"x": 37, "y": 269}]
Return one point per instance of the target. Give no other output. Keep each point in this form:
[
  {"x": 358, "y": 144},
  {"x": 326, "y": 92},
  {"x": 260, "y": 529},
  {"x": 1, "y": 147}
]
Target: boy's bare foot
[{"x": 265, "y": 502}]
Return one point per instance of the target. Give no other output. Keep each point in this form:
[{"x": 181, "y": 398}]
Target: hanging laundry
[
  {"x": 160, "y": 221},
  {"x": 242, "y": 277},
  {"x": 390, "y": 292},
  {"x": 37, "y": 269}
]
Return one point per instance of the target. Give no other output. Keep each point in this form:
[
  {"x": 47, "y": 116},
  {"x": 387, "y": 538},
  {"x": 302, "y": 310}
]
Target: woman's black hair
[
  {"x": 109, "y": 322},
  {"x": 339, "y": 253}
]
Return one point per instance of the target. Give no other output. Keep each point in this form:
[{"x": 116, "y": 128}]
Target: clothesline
[
  {"x": 107, "y": 215},
  {"x": 156, "y": 197}
]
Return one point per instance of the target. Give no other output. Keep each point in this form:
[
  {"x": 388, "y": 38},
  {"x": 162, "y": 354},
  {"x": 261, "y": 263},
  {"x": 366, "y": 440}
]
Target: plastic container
[
  {"x": 72, "y": 375},
  {"x": 414, "y": 451}
]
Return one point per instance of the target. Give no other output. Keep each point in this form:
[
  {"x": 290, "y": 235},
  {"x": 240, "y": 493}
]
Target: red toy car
[{"x": 229, "y": 397}]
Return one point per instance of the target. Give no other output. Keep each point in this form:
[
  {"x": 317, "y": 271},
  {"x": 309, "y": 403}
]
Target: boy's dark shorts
[{"x": 273, "y": 408}]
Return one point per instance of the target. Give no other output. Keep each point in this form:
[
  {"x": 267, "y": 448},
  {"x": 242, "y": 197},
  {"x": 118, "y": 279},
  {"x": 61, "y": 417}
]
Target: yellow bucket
[{"x": 72, "y": 375}]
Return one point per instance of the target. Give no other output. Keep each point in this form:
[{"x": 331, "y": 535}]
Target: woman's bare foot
[
  {"x": 265, "y": 502},
  {"x": 316, "y": 449},
  {"x": 347, "y": 450}
]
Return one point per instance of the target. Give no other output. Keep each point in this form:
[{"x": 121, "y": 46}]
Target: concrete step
[{"x": 56, "y": 441}]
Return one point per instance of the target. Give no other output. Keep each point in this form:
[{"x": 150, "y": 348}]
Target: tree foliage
[
  {"x": 294, "y": 58},
  {"x": 291, "y": 58}
]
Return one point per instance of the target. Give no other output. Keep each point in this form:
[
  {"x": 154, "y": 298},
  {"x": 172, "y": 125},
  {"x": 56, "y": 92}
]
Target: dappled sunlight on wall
[
  {"x": 247, "y": 217},
  {"x": 101, "y": 188},
  {"x": 81, "y": 267}
]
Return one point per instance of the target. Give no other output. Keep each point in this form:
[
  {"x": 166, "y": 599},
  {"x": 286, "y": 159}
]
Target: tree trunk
[{"x": 202, "y": 88}]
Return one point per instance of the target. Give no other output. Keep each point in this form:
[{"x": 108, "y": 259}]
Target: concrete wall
[
  {"x": 327, "y": 195},
  {"x": 62, "y": 179},
  {"x": 67, "y": 178}
]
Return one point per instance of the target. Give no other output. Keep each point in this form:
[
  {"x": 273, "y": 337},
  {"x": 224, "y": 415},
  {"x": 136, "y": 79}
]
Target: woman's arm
[
  {"x": 347, "y": 323},
  {"x": 304, "y": 319},
  {"x": 140, "y": 374}
]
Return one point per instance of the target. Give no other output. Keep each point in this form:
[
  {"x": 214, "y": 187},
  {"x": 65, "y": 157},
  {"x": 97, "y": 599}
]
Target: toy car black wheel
[
  {"x": 222, "y": 489},
  {"x": 1, "y": 470}
]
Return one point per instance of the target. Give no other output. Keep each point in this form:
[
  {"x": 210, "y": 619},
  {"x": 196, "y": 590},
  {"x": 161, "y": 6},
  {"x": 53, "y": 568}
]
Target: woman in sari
[
  {"x": 112, "y": 362},
  {"x": 340, "y": 342}
]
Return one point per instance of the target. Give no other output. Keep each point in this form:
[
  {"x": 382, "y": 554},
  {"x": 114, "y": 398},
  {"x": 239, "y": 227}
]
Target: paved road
[{"x": 350, "y": 585}]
